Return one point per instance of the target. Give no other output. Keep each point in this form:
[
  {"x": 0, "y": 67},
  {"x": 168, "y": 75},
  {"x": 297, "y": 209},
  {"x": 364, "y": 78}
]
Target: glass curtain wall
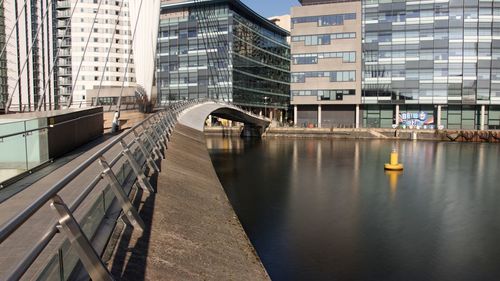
[
  {"x": 212, "y": 51},
  {"x": 431, "y": 53},
  {"x": 261, "y": 66},
  {"x": 194, "y": 61}
]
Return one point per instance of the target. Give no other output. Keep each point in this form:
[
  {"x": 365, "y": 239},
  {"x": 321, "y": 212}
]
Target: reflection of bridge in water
[{"x": 177, "y": 223}]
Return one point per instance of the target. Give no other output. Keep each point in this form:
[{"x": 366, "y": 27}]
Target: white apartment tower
[
  {"x": 103, "y": 43},
  {"x": 54, "y": 52},
  {"x": 26, "y": 52}
]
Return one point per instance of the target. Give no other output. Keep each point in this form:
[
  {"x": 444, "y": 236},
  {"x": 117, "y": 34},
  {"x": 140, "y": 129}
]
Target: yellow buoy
[{"x": 394, "y": 165}]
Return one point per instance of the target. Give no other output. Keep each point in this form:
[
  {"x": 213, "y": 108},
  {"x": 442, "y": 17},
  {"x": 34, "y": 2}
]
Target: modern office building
[
  {"x": 440, "y": 58},
  {"x": 326, "y": 63},
  {"x": 426, "y": 64},
  {"x": 283, "y": 21},
  {"x": 26, "y": 55},
  {"x": 223, "y": 50}
]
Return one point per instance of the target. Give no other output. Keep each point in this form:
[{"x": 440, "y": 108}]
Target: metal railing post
[
  {"x": 141, "y": 177},
  {"x": 127, "y": 207},
  {"x": 147, "y": 155},
  {"x": 161, "y": 141},
  {"x": 152, "y": 143},
  {"x": 87, "y": 254}
]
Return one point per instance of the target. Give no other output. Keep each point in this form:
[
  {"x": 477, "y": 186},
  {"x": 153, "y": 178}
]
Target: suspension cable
[
  {"x": 9, "y": 100},
  {"x": 128, "y": 59},
  {"x": 109, "y": 51},
  {"x": 13, "y": 28}
]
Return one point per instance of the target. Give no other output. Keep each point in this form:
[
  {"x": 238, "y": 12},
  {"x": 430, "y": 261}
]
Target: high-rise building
[
  {"x": 26, "y": 55},
  {"x": 92, "y": 53},
  {"x": 55, "y": 53},
  {"x": 326, "y": 63},
  {"x": 425, "y": 64},
  {"x": 222, "y": 50}
]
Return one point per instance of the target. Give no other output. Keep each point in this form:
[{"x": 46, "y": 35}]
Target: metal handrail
[
  {"x": 15, "y": 222},
  {"x": 167, "y": 118}
]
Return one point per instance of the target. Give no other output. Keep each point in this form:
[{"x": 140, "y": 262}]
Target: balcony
[
  {"x": 63, "y": 5},
  {"x": 65, "y": 52},
  {"x": 61, "y": 24},
  {"x": 64, "y": 72},
  {"x": 63, "y": 33},
  {"x": 64, "y": 63},
  {"x": 65, "y": 81},
  {"x": 63, "y": 14},
  {"x": 64, "y": 43}
]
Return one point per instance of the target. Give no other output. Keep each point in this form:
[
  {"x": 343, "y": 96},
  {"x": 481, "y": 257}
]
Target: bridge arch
[{"x": 195, "y": 116}]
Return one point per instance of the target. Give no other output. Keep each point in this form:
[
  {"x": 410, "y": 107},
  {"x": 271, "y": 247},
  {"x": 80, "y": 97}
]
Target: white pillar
[
  {"x": 209, "y": 120},
  {"x": 271, "y": 114},
  {"x": 438, "y": 121},
  {"x": 295, "y": 115},
  {"x": 396, "y": 121},
  {"x": 483, "y": 108},
  {"x": 357, "y": 116},
  {"x": 319, "y": 115}
]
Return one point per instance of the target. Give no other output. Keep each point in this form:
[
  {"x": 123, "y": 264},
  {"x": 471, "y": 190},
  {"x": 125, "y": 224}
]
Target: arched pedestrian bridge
[
  {"x": 195, "y": 116},
  {"x": 143, "y": 205}
]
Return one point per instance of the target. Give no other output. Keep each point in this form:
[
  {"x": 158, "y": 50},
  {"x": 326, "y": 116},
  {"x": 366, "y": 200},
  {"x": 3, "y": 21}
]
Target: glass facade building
[
  {"x": 438, "y": 59},
  {"x": 222, "y": 50},
  {"x": 421, "y": 55}
]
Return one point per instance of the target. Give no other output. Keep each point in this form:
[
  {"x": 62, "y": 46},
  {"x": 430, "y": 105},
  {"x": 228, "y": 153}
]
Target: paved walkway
[{"x": 192, "y": 231}]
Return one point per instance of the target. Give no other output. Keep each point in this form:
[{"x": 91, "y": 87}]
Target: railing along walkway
[{"x": 31, "y": 219}]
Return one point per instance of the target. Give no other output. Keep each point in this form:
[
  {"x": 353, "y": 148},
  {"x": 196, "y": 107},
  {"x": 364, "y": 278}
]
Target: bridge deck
[{"x": 192, "y": 231}]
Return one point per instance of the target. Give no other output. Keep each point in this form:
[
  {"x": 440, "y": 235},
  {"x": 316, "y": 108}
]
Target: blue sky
[{"x": 269, "y": 8}]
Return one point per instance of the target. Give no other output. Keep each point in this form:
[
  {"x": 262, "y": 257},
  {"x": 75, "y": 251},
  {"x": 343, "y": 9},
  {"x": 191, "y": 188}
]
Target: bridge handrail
[
  {"x": 18, "y": 220},
  {"x": 163, "y": 122}
]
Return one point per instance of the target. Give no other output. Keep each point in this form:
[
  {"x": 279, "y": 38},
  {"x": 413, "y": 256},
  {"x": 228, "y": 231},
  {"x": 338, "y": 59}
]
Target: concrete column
[
  {"x": 357, "y": 116},
  {"x": 295, "y": 115},
  {"x": 481, "y": 126},
  {"x": 438, "y": 117},
  {"x": 209, "y": 120},
  {"x": 271, "y": 114},
  {"x": 396, "y": 121},
  {"x": 319, "y": 115}
]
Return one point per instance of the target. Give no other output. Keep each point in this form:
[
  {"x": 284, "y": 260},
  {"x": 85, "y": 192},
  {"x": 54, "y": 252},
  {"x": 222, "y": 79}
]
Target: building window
[
  {"x": 312, "y": 58},
  {"x": 323, "y": 39},
  {"x": 326, "y": 20},
  {"x": 335, "y": 76}
]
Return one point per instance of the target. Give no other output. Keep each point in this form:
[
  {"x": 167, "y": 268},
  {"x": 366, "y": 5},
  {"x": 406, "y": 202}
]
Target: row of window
[
  {"x": 325, "y": 94},
  {"x": 440, "y": 10},
  {"x": 326, "y": 20},
  {"x": 67, "y": 42},
  {"x": 106, "y": 78},
  {"x": 323, "y": 39},
  {"x": 335, "y": 76},
  {"x": 313, "y": 57}
]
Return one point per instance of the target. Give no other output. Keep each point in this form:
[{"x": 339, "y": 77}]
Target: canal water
[{"x": 326, "y": 210}]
